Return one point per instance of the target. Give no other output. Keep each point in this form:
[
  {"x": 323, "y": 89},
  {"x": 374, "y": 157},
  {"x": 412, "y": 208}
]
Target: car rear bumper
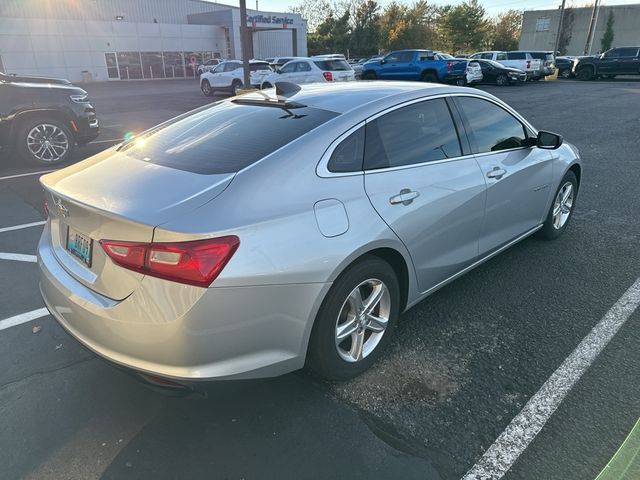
[{"x": 186, "y": 333}]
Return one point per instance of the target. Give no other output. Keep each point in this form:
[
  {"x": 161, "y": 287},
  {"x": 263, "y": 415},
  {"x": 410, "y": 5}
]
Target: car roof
[{"x": 342, "y": 97}]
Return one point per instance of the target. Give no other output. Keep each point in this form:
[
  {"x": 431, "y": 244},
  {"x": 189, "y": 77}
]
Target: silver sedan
[{"x": 293, "y": 226}]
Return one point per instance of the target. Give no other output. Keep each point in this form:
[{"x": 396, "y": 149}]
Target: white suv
[
  {"x": 308, "y": 70},
  {"x": 229, "y": 76}
]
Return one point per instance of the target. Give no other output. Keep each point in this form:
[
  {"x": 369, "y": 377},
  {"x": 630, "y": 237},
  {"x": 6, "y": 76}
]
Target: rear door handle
[
  {"x": 496, "y": 173},
  {"x": 405, "y": 197}
]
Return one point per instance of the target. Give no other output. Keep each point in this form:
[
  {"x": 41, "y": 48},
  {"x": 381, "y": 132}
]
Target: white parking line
[
  {"x": 18, "y": 257},
  {"x": 27, "y": 174},
  {"x": 20, "y": 227},
  {"x": 23, "y": 318},
  {"x": 500, "y": 456}
]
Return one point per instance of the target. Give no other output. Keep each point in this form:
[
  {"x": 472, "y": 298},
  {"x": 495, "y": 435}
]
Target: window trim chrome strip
[{"x": 322, "y": 168}]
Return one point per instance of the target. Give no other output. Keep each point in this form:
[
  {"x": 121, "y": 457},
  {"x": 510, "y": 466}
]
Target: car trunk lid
[{"x": 115, "y": 197}]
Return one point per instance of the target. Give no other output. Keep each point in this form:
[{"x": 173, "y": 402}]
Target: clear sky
[{"x": 493, "y": 7}]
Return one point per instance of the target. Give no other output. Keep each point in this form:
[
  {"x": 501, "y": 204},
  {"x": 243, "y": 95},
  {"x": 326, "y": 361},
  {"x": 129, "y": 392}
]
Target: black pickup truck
[
  {"x": 44, "y": 118},
  {"x": 617, "y": 61}
]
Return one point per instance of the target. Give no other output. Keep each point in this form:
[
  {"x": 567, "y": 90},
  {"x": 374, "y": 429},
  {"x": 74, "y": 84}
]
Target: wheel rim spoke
[
  {"x": 47, "y": 142},
  {"x": 362, "y": 320}
]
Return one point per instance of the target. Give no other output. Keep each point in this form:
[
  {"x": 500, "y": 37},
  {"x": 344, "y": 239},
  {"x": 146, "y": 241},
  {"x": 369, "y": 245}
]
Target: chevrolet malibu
[{"x": 292, "y": 226}]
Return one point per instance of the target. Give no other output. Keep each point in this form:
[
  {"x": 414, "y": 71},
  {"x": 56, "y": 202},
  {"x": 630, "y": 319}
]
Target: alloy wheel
[
  {"x": 47, "y": 142},
  {"x": 362, "y": 320},
  {"x": 562, "y": 205}
]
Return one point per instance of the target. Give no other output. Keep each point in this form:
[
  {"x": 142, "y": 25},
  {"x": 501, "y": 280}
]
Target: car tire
[
  {"x": 44, "y": 141},
  {"x": 369, "y": 75},
  {"x": 333, "y": 359},
  {"x": 585, "y": 74},
  {"x": 206, "y": 88},
  {"x": 562, "y": 208},
  {"x": 429, "y": 77},
  {"x": 502, "y": 80},
  {"x": 266, "y": 85},
  {"x": 461, "y": 82},
  {"x": 235, "y": 87}
]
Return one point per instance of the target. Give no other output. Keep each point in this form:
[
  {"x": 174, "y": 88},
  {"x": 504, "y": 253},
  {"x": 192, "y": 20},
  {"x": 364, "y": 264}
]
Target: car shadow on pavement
[{"x": 287, "y": 427}]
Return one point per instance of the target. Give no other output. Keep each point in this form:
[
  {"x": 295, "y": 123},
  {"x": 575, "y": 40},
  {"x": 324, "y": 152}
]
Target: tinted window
[
  {"x": 628, "y": 52},
  {"x": 491, "y": 128},
  {"x": 254, "y": 67},
  {"x": 333, "y": 65},
  {"x": 231, "y": 66},
  {"x": 303, "y": 67},
  {"x": 418, "y": 133},
  {"x": 500, "y": 56},
  {"x": 399, "y": 57},
  {"x": 517, "y": 56},
  {"x": 289, "y": 68},
  {"x": 347, "y": 157},
  {"x": 224, "y": 137}
]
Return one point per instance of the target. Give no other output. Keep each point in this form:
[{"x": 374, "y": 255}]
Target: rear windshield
[
  {"x": 225, "y": 137},
  {"x": 334, "y": 65}
]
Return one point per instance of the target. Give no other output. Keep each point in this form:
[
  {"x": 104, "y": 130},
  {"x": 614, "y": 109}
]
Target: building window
[{"x": 542, "y": 24}]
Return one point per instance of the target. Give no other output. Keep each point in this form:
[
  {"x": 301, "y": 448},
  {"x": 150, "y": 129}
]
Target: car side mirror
[
  {"x": 383, "y": 61},
  {"x": 548, "y": 140}
]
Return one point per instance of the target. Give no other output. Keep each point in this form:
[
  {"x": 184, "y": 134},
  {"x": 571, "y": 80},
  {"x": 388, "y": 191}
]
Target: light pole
[
  {"x": 244, "y": 38},
  {"x": 555, "y": 49}
]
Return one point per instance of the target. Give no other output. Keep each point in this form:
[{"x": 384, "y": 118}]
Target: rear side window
[
  {"x": 418, "y": 133},
  {"x": 491, "y": 128},
  {"x": 517, "y": 56},
  {"x": 500, "y": 56},
  {"x": 332, "y": 65},
  {"x": 348, "y": 155},
  {"x": 303, "y": 67},
  {"x": 254, "y": 67},
  {"x": 628, "y": 52},
  {"x": 225, "y": 137}
]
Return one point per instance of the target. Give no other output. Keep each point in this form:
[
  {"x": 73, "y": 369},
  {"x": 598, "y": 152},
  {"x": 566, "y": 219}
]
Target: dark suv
[
  {"x": 617, "y": 61},
  {"x": 44, "y": 118}
]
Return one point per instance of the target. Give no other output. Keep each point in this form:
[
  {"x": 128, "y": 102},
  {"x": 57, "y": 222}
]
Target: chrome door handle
[
  {"x": 405, "y": 197},
  {"x": 496, "y": 173}
]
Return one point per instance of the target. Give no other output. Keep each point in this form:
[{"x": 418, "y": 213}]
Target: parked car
[
  {"x": 519, "y": 60},
  {"x": 617, "y": 61},
  {"x": 496, "y": 73},
  {"x": 474, "y": 74},
  {"x": 308, "y": 70},
  {"x": 208, "y": 65},
  {"x": 565, "y": 66},
  {"x": 277, "y": 62},
  {"x": 548, "y": 59},
  {"x": 44, "y": 118},
  {"x": 357, "y": 65},
  {"x": 415, "y": 65},
  {"x": 229, "y": 76},
  {"x": 244, "y": 239}
]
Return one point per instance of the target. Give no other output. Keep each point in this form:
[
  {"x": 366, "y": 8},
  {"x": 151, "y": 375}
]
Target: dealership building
[{"x": 98, "y": 40}]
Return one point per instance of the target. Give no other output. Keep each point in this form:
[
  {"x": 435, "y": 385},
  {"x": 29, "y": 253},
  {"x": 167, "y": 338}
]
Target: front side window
[
  {"x": 491, "y": 128},
  {"x": 303, "y": 67},
  {"x": 231, "y": 66},
  {"x": 628, "y": 52},
  {"x": 418, "y": 133}
]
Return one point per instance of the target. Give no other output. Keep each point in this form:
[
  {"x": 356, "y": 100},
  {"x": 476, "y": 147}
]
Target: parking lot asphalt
[{"x": 462, "y": 365}]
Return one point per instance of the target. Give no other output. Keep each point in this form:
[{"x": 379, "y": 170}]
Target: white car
[
  {"x": 208, "y": 65},
  {"x": 229, "y": 76},
  {"x": 309, "y": 70},
  {"x": 474, "y": 73}
]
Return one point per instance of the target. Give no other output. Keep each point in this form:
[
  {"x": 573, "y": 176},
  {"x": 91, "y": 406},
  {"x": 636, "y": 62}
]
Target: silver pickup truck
[{"x": 531, "y": 66}]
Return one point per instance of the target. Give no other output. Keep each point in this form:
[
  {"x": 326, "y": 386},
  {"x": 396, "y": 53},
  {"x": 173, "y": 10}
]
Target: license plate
[{"x": 79, "y": 245}]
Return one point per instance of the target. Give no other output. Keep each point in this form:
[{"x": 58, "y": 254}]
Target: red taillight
[
  {"x": 328, "y": 76},
  {"x": 449, "y": 66},
  {"x": 198, "y": 262}
]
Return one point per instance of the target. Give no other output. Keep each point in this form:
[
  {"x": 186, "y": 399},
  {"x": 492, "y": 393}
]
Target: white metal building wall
[
  {"x": 274, "y": 43},
  {"x": 140, "y": 11},
  {"x": 64, "y": 48}
]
